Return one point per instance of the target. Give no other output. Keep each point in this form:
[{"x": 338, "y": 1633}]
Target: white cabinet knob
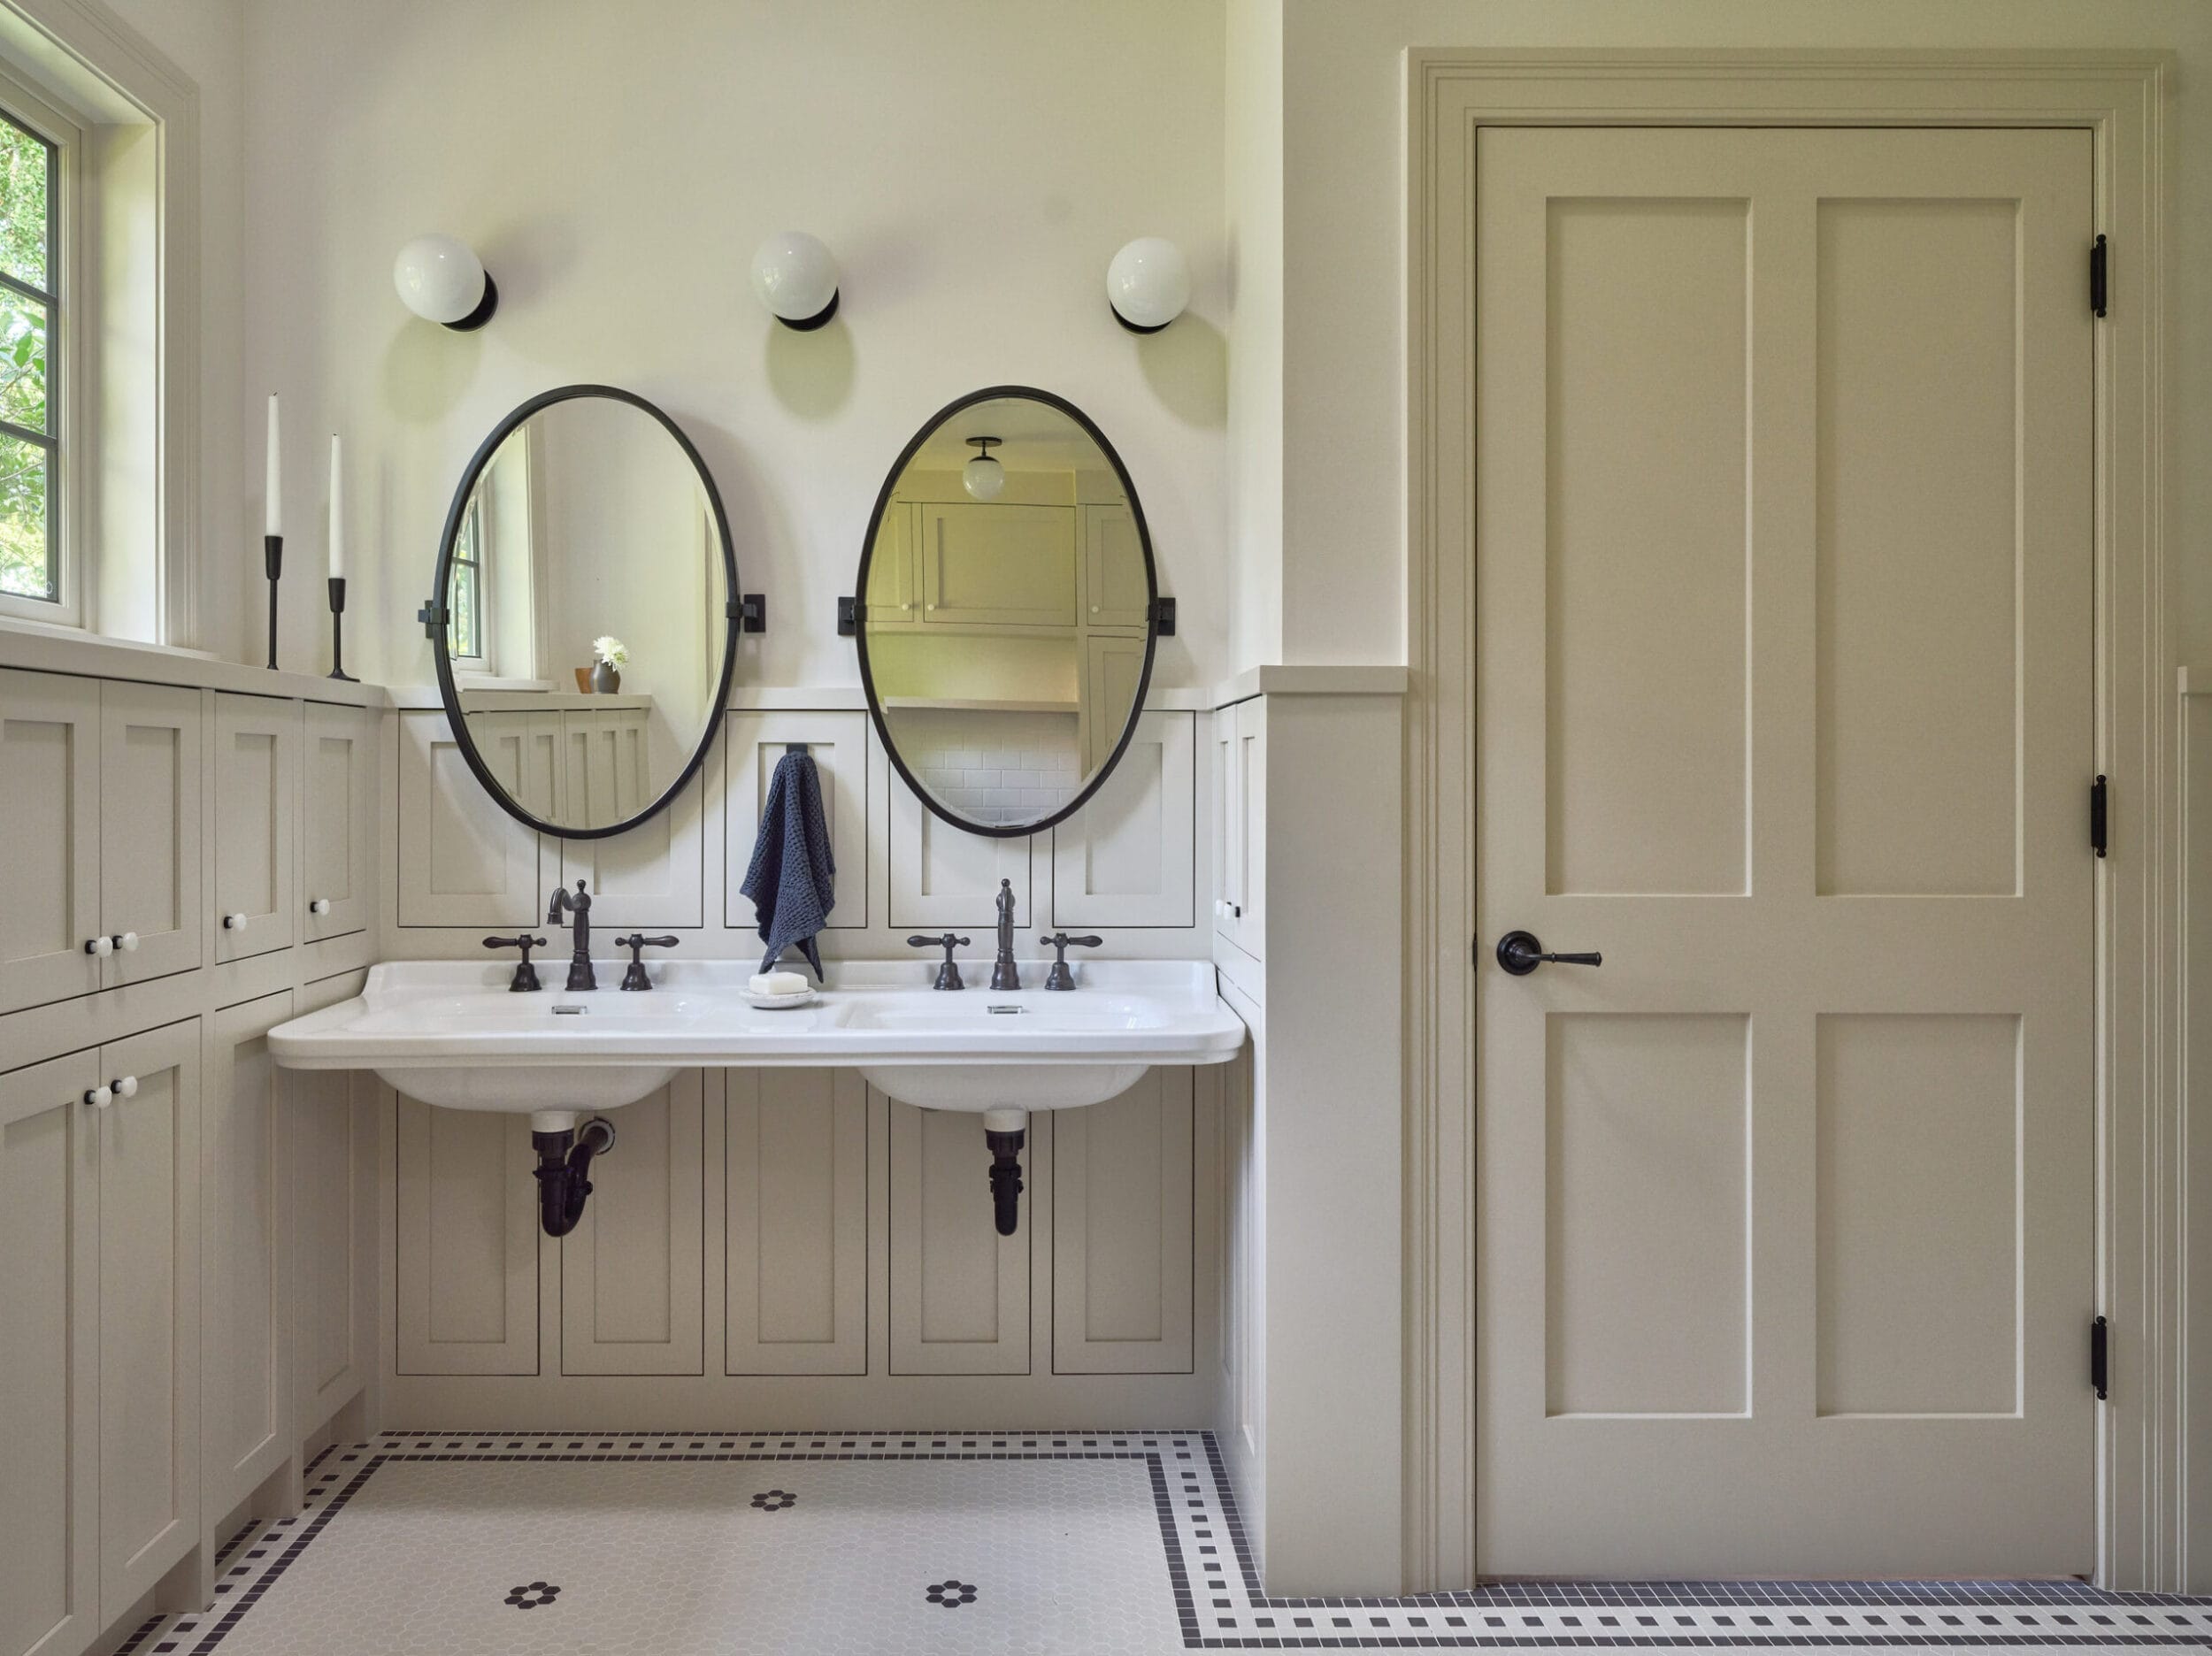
[
  {"x": 126, "y": 1088},
  {"x": 234, "y": 923},
  {"x": 321, "y": 905},
  {"x": 127, "y": 942},
  {"x": 99, "y": 948},
  {"x": 1093, "y": 609},
  {"x": 100, "y": 1097}
]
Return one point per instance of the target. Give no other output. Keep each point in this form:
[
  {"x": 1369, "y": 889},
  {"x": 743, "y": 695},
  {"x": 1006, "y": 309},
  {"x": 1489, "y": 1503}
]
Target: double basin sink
[{"x": 451, "y": 1033}]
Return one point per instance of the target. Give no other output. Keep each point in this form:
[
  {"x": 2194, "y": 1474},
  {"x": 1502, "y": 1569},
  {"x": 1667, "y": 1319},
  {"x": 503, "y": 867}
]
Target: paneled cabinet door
[
  {"x": 1129, "y": 857},
  {"x": 332, "y": 1146},
  {"x": 1121, "y": 1224},
  {"x": 150, "y": 829},
  {"x": 257, "y": 783},
  {"x": 463, "y": 861},
  {"x": 338, "y": 861},
  {"x": 998, "y": 565},
  {"x": 633, "y": 1285},
  {"x": 941, "y": 876},
  {"x": 467, "y": 1211},
  {"x": 755, "y": 744},
  {"x": 894, "y": 574},
  {"x": 796, "y": 1151},
  {"x": 50, "y": 1306},
  {"x": 245, "y": 1390},
  {"x": 1115, "y": 592},
  {"x": 49, "y": 834},
  {"x": 149, "y": 1310},
  {"x": 1240, "y": 817},
  {"x": 959, "y": 1291},
  {"x": 652, "y": 875}
]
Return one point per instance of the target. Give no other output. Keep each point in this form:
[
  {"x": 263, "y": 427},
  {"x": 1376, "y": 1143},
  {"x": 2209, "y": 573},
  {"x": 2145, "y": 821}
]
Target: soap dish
[{"x": 775, "y": 1002}]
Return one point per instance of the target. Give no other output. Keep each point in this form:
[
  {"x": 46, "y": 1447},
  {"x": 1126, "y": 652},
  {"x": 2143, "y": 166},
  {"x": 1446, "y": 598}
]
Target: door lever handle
[{"x": 1521, "y": 952}]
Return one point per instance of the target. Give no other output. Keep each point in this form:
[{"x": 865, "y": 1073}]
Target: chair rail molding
[{"x": 2122, "y": 100}]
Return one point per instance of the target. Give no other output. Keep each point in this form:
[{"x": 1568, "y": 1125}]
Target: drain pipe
[
  {"x": 564, "y": 1171},
  {"x": 1005, "y": 1131}
]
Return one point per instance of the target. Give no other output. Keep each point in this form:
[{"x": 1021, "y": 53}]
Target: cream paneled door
[{"x": 1782, "y": 704}]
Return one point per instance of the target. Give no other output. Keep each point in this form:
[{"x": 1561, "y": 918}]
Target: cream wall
[
  {"x": 1252, "y": 122},
  {"x": 973, "y": 167},
  {"x": 1342, "y": 511}
]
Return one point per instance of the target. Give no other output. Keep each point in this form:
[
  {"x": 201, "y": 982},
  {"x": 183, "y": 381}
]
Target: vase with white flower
[{"x": 606, "y": 674}]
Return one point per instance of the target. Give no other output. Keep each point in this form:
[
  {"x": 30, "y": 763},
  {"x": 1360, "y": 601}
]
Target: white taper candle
[
  {"x": 337, "y": 515},
  {"x": 273, "y": 487}
]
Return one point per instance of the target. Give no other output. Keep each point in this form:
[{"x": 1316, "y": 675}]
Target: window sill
[{"x": 38, "y": 647}]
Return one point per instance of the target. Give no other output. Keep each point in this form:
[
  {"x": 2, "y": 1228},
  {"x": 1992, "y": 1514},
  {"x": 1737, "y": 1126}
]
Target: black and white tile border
[{"x": 1210, "y": 1573}]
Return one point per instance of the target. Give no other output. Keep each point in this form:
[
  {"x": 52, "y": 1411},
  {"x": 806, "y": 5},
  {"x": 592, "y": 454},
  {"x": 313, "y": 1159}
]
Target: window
[
  {"x": 464, "y": 627},
  {"x": 36, "y": 578}
]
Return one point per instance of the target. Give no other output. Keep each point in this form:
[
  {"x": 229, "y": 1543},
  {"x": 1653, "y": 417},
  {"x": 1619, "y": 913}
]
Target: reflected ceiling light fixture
[
  {"x": 983, "y": 477},
  {"x": 797, "y": 278},
  {"x": 443, "y": 281},
  {"x": 1147, "y": 284}
]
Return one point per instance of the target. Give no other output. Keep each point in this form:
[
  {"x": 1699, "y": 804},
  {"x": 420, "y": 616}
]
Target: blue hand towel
[{"x": 789, "y": 880}]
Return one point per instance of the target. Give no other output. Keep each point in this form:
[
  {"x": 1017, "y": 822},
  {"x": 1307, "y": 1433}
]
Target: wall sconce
[
  {"x": 797, "y": 278},
  {"x": 1147, "y": 284},
  {"x": 442, "y": 281}
]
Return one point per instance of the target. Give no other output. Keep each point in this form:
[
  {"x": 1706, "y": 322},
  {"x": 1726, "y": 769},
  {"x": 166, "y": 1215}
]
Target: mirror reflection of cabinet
[{"x": 1007, "y": 627}]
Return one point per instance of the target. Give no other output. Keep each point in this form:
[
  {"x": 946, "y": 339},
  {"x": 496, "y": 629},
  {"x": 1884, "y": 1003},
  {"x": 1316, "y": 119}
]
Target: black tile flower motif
[
  {"x": 775, "y": 1500},
  {"x": 533, "y": 1594},
  {"x": 951, "y": 1594}
]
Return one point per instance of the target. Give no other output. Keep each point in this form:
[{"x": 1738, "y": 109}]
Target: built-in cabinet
[
  {"x": 100, "y": 822},
  {"x": 338, "y": 840},
  {"x": 99, "y": 1216},
  {"x": 257, "y": 784},
  {"x": 168, "y": 1288},
  {"x": 1106, "y": 1238},
  {"x": 632, "y": 1271},
  {"x": 243, "y": 1277},
  {"x": 1240, "y": 849},
  {"x": 796, "y": 1194}
]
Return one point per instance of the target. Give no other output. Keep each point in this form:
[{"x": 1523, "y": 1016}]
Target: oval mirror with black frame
[
  {"x": 1007, "y": 609},
  {"x": 582, "y": 633}
]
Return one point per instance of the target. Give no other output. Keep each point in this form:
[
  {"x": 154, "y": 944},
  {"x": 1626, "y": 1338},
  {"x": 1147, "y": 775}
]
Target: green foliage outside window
[{"x": 29, "y": 561}]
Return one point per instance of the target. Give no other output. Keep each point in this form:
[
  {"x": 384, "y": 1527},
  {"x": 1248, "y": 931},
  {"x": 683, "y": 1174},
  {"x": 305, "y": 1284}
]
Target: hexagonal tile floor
[{"x": 674, "y": 1544}]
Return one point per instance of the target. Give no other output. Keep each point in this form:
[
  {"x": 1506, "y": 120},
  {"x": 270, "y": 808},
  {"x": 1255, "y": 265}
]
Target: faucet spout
[
  {"x": 1004, "y": 973},
  {"x": 579, "y": 972}
]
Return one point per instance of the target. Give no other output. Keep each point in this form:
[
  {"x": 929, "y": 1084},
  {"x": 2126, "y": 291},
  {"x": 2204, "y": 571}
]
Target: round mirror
[
  {"x": 1006, "y": 603},
  {"x": 583, "y": 632}
]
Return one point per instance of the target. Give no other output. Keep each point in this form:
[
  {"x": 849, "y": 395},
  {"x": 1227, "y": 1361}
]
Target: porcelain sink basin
[{"x": 451, "y": 1033}]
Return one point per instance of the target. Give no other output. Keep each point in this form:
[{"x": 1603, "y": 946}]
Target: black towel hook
[{"x": 793, "y": 748}]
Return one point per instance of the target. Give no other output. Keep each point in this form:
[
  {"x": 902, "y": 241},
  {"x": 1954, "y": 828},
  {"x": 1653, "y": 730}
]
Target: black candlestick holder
[
  {"x": 338, "y": 630},
  {"x": 273, "y": 561}
]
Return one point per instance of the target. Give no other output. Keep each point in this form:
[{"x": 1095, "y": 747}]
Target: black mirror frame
[
  {"x": 991, "y": 394},
  {"x": 449, "y": 693}
]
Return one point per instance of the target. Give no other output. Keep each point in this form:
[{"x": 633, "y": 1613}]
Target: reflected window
[
  {"x": 466, "y": 628},
  {"x": 32, "y": 570}
]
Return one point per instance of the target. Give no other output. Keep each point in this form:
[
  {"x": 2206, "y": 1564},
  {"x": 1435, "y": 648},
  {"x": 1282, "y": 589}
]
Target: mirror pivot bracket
[
  {"x": 848, "y": 617},
  {"x": 749, "y": 611},
  {"x": 433, "y": 618},
  {"x": 1163, "y": 617}
]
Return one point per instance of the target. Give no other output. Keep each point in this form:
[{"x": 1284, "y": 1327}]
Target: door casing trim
[{"x": 2123, "y": 99}]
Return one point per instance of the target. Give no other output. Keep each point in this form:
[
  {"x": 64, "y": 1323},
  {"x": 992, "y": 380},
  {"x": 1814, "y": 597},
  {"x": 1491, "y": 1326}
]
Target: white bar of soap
[{"x": 776, "y": 983}]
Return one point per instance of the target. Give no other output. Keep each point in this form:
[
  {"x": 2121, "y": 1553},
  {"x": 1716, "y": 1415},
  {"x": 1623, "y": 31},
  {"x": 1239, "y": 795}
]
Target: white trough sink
[{"x": 451, "y": 1033}]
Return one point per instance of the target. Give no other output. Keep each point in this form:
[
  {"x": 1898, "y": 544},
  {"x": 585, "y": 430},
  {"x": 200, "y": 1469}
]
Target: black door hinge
[
  {"x": 2099, "y": 815},
  {"x": 2097, "y": 278},
  {"x": 2100, "y": 1359}
]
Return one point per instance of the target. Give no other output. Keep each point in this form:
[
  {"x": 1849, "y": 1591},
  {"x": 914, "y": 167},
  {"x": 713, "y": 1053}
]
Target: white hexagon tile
[{"x": 1121, "y": 1543}]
